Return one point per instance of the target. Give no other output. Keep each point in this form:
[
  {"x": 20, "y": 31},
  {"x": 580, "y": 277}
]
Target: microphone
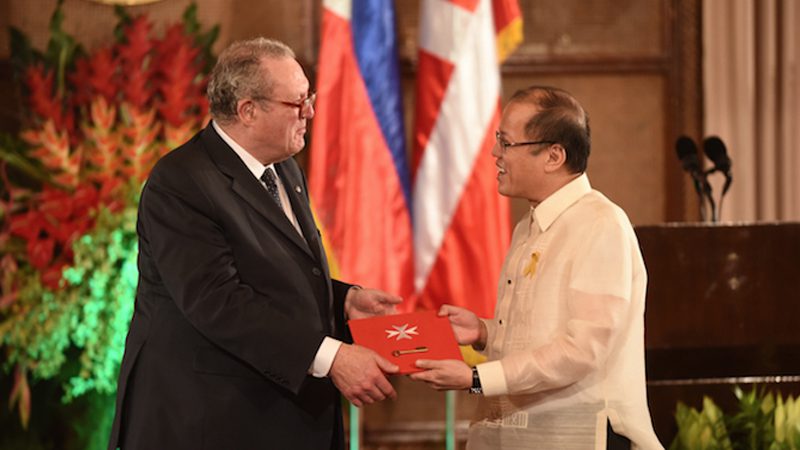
[
  {"x": 715, "y": 150},
  {"x": 687, "y": 154}
]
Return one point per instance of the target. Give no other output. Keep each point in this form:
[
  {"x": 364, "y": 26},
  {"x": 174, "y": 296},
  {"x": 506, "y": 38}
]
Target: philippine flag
[{"x": 358, "y": 173}]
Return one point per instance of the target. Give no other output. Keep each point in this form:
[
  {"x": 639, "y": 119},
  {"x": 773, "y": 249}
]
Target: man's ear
[
  {"x": 556, "y": 158},
  {"x": 245, "y": 110}
]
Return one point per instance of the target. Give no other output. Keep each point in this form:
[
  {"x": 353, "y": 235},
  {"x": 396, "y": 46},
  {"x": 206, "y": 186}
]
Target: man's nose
[{"x": 309, "y": 112}]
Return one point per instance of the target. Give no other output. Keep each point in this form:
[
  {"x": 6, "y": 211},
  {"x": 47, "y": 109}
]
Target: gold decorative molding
[{"x": 125, "y": 2}]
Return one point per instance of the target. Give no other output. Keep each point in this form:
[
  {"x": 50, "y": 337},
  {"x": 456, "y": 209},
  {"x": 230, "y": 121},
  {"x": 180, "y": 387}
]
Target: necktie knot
[{"x": 269, "y": 179}]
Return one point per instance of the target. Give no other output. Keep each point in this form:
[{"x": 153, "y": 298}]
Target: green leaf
[
  {"x": 23, "y": 55},
  {"x": 25, "y": 166},
  {"x": 123, "y": 20},
  {"x": 203, "y": 41},
  {"x": 190, "y": 22},
  {"x": 61, "y": 49}
]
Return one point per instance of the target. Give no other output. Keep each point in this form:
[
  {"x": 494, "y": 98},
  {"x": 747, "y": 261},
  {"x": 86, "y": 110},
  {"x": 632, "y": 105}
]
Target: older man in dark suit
[{"x": 237, "y": 339}]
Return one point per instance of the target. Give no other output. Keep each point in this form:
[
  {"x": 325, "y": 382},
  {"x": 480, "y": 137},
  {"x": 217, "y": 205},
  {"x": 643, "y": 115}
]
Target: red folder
[{"x": 405, "y": 338}]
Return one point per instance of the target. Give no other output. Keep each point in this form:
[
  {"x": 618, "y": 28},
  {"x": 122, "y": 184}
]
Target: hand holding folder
[{"x": 404, "y": 338}]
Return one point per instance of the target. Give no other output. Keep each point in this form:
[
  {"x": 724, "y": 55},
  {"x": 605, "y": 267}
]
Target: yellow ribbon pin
[{"x": 530, "y": 270}]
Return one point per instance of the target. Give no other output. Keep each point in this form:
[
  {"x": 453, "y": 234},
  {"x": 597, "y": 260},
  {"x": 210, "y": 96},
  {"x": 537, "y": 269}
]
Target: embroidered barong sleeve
[{"x": 597, "y": 289}]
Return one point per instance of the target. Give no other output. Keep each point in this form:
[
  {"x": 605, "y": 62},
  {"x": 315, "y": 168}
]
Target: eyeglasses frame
[
  {"x": 303, "y": 105},
  {"x": 505, "y": 145}
]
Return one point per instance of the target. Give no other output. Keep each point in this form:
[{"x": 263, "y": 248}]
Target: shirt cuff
[
  {"x": 493, "y": 379},
  {"x": 491, "y": 330},
  {"x": 324, "y": 358}
]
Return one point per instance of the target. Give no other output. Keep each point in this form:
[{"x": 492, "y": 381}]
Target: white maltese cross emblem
[{"x": 402, "y": 332}]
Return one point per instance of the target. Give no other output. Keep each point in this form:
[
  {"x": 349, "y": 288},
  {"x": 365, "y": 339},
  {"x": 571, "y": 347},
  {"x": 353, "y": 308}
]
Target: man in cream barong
[{"x": 565, "y": 349}]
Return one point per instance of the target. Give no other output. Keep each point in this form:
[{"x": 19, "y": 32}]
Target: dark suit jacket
[{"x": 231, "y": 308}]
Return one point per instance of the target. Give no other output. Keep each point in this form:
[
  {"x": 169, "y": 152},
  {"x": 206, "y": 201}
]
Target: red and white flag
[{"x": 461, "y": 224}]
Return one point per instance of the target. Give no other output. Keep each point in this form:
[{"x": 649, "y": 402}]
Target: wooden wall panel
[{"x": 594, "y": 29}]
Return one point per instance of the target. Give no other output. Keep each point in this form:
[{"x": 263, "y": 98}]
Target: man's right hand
[
  {"x": 467, "y": 327},
  {"x": 359, "y": 373}
]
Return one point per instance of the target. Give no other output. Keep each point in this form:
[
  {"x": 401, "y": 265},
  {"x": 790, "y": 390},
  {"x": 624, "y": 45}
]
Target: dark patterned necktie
[{"x": 268, "y": 177}]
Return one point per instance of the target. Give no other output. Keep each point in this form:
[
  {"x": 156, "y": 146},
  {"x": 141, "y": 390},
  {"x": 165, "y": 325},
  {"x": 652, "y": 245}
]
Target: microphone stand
[{"x": 710, "y": 197}]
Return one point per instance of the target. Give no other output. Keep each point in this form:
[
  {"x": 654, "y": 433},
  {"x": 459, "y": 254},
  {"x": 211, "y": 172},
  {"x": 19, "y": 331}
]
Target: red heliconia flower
[
  {"x": 103, "y": 78},
  {"x": 55, "y": 203},
  {"x": 40, "y": 252},
  {"x": 176, "y": 87},
  {"x": 134, "y": 57},
  {"x": 27, "y": 225},
  {"x": 133, "y": 102},
  {"x": 51, "y": 276},
  {"x": 109, "y": 194},
  {"x": 85, "y": 199},
  {"x": 177, "y": 69},
  {"x": 81, "y": 84},
  {"x": 42, "y": 100},
  {"x": 52, "y": 148}
]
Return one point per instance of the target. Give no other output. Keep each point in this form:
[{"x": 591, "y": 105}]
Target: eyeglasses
[
  {"x": 304, "y": 106},
  {"x": 505, "y": 145}
]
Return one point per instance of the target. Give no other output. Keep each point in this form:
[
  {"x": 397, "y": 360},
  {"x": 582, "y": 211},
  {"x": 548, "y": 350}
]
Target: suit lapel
[
  {"x": 294, "y": 185},
  {"x": 245, "y": 185}
]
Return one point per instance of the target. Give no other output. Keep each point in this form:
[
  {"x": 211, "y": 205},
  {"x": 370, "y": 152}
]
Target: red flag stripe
[{"x": 430, "y": 93}]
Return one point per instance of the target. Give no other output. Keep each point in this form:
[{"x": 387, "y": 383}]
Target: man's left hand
[
  {"x": 444, "y": 375},
  {"x": 361, "y": 303}
]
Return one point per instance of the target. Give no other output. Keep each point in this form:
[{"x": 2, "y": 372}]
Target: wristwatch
[{"x": 476, "y": 382}]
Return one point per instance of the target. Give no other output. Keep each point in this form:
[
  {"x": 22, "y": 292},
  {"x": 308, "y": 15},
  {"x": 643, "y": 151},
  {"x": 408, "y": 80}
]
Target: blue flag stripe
[{"x": 375, "y": 43}]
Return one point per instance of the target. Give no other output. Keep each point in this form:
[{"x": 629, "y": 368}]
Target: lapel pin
[
  {"x": 297, "y": 189},
  {"x": 530, "y": 270}
]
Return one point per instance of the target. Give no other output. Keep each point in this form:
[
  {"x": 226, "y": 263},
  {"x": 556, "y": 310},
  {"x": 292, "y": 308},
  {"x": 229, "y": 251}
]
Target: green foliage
[
  {"x": 761, "y": 423},
  {"x": 13, "y": 152},
  {"x": 61, "y": 48},
  {"x": 202, "y": 40},
  {"x": 123, "y": 20},
  {"x": 753, "y": 426},
  {"x": 787, "y": 423},
  {"x": 704, "y": 430},
  {"x": 91, "y": 312}
]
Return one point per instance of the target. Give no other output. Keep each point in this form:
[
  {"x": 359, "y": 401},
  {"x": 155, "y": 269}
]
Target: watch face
[{"x": 476, "y": 382}]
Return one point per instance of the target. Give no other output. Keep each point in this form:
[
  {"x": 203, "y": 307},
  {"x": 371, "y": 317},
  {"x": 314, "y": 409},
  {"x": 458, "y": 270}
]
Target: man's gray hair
[{"x": 238, "y": 75}]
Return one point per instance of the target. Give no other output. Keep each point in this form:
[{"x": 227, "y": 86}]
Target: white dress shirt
[
  {"x": 566, "y": 345},
  {"x": 327, "y": 350}
]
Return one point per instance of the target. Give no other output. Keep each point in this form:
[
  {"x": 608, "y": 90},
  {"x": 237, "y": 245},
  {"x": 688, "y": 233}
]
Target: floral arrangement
[
  {"x": 94, "y": 124},
  {"x": 764, "y": 421}
]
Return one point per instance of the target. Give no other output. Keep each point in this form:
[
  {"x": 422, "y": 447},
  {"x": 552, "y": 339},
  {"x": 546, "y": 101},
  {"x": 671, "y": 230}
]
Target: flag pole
[
  {"x": 355, "y": 422},
  {"x": 450, "y": 420}
]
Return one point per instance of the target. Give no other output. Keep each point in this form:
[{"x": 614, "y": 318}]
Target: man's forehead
[
  {"x": 516, "y": 115},
  {"x": 288, "y": 76}
]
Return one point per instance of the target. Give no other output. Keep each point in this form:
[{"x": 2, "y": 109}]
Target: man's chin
[
  {"x": 503, "y": 190},
  {"x": 297, "y": 147}
]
